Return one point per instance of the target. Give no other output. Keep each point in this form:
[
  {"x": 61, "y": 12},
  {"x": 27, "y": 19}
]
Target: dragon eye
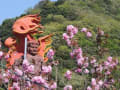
[{"x": 22, "y": 27}]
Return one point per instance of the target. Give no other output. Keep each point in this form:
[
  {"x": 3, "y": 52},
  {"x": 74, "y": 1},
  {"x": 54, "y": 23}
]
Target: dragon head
[{"x": 27, "y": 24}]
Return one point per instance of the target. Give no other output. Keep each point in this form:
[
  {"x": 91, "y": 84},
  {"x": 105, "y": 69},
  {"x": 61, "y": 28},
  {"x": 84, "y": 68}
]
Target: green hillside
[
  {"x": 91, "y": 14},
  {"x": 81, "y": 13}
]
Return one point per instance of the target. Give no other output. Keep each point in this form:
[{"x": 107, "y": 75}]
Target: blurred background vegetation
[{"x": 55, "y": 16}]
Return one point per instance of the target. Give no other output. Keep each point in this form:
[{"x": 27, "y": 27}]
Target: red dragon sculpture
[{"x": 26, "y": 26}]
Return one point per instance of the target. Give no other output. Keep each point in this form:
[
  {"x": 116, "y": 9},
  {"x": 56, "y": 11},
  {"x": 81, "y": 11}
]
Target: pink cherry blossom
[
  {"x": 72, "y": 55},
  {"x": 88, "y": 34},
  {"x": 75, "y": 30},
  {"x": 68, "y": 74},
  {"x": 100, "y": 68},
  {"x": 89, "y": 88},
  {"x": 25, "y": 61},
  {"x": 116, "y": 61},
  {"x": 77, "y": 51},
  {"x": 112, "y": 80},
  {"x": 50, "y": 54},
  {"x": 86, "y": 71},
  {"x": 25, "y": 64},
  {"x": 38, "y": 79},
  {"x": 71, "y": 35},
  {"x": 30, "y": 69},
  {"x": 79, "y": 56},
  {"x": 93, "y": 61},
  {"x": 69, "y": 28},
  {"x": 84, "y": 30},
  {"x": 86, "y": 65},
  {"x": 28, "y": 84},
  {"x": 95, "y": 65},
  {"x": 6, "y": 80},
  {"x": 15, "y": 77},
  {"x": 100, "y": 82},
  {"x": 97, "y": 87},
  {"x": 46, "y": 85},
  {"x": 49, "y": 69},
  {"x": 80, "y": 61},
  {"x": 5, "y": 77},
  {"x": 15, "y": 86},
  {"x": 68, "y": 87},
  {"x": 106, "y": 63},
  {"x": 68, "y": 42},
  {"x": 53, "y": 86},
  {"x": 18, "y": 72},
  {"x": 0, "y": 45},
  {"x": 65, "y": 36},
  {"x": 78, "y": 70},
  {"x": 93, "y": 82},
  {"x": 7, "y": 56},
  {"x": 46, "y": 69},
  {"x": 109, "y": 58},
  {"x": 106, "y": 85},
  {"x": 92, "y": 70},
  {"x": 108, "y": 73},
  {"x": 7, "y": 73},
  {"x": 1, "y": 54}
]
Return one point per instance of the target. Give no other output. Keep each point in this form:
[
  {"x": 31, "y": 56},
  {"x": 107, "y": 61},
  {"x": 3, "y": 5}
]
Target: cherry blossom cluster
[
  {"x": 50, "y": 54},
  {"x": 46, "y": 69},
  {"x": 99, "y": 72},
  {"x": 15, "y": 86},
  {"x": 28, "y": 74},
  {"x": 71, "y": 31},
  {"x": 109, "y": 65},
  {"x": 87, "y": 32},
  {"x": 68, "y": 74},
  {"x": 25, "y": 72},
  {"x": 102, "y": 72},
  {"x": 27, "y": 67},
  {"x": 68, "y": 87},
  {"x": 1, "y": 54},
  {"x": 81, "y": 60},
  {"x": 40, "y": 80},
  {"x": 96, "y": 85}
]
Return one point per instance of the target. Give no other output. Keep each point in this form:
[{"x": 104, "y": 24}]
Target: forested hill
[{"x": 81, "y": 13}]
